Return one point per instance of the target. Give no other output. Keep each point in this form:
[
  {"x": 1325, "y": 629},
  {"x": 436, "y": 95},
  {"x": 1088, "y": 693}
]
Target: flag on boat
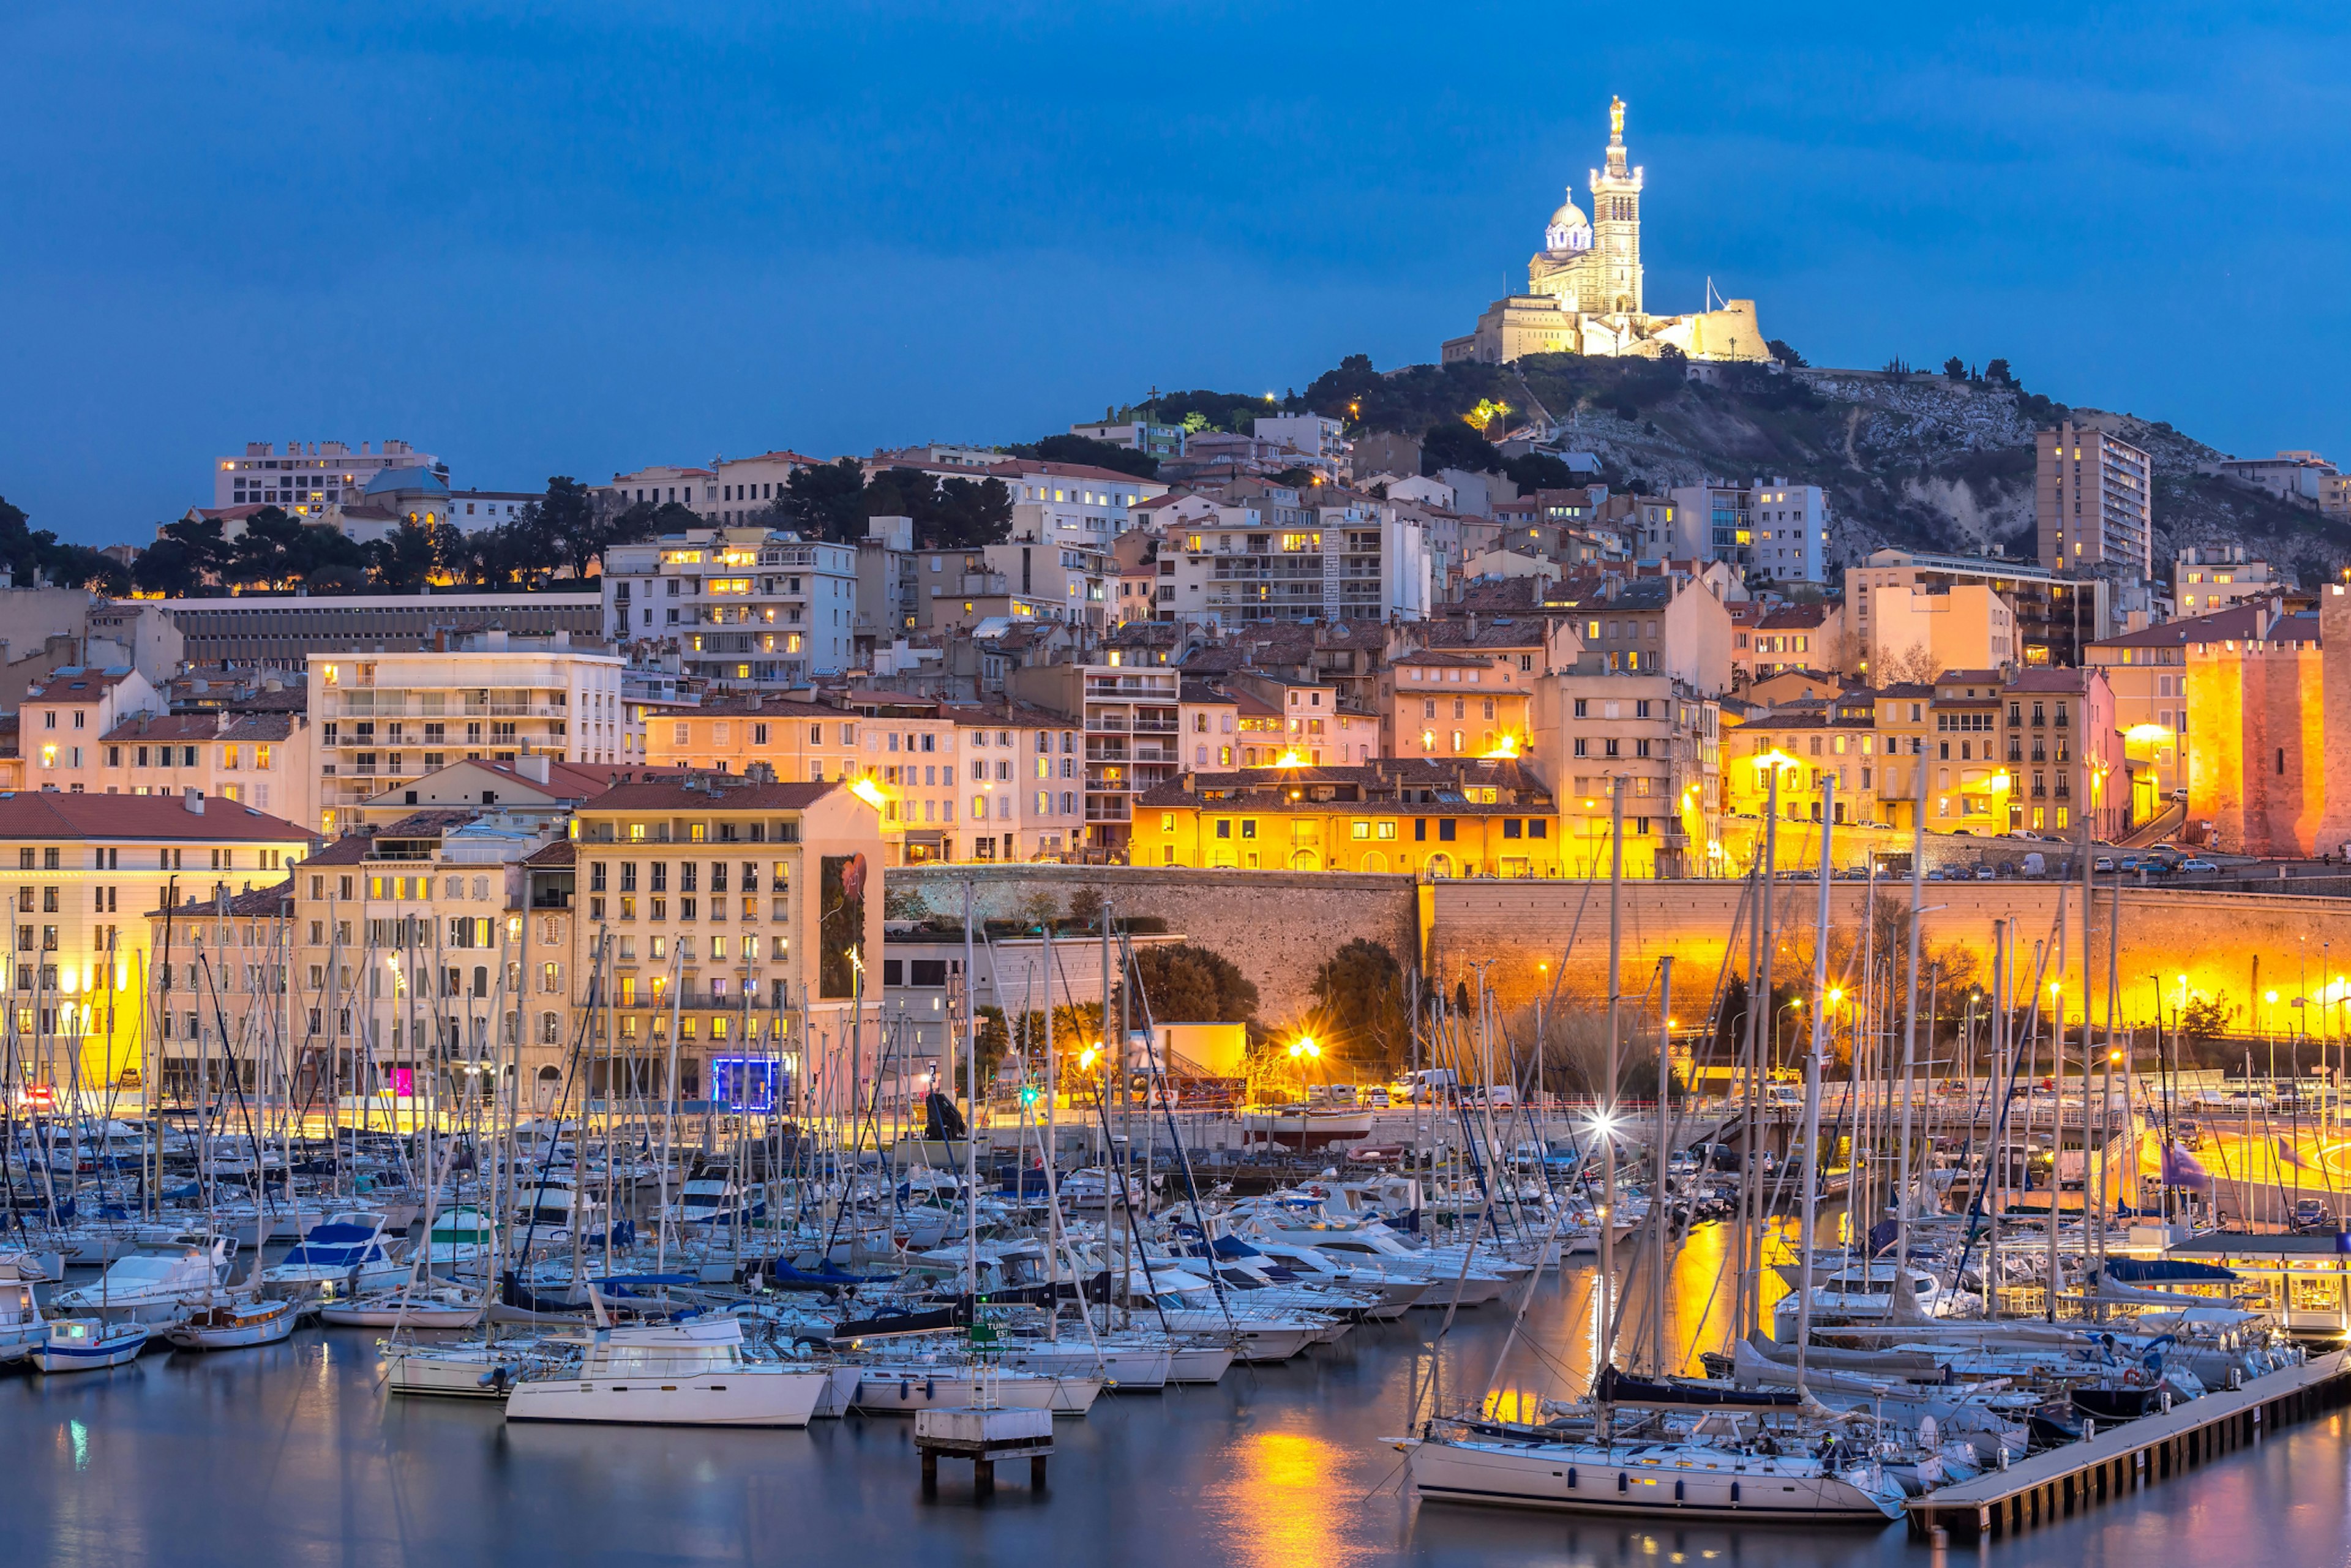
[{"x": 2181, "y": 1168}]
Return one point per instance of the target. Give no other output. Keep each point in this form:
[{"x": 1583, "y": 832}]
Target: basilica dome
[{"x": 1569, "y": 229}]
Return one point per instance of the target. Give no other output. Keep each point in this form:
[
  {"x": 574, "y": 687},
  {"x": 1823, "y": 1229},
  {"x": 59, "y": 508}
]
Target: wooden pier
[{"x": 2129, "y": 1455}]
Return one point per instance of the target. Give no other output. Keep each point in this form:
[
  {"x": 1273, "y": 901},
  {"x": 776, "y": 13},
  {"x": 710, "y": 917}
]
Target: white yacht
[
  {"x": 469, "y": 1369},
  {"x": 900, "y": 1385},
  {"x": 1719, "y": 1473},
  {"x": 459, "y": 1235},
  {"x": 22, "y": 1327},
  {"x": 715, "y": 1203},
  {"x": 151, "y": 1285},
  {"x": 343, "y": 1256},
  {"x": 689, "y": 1373}
]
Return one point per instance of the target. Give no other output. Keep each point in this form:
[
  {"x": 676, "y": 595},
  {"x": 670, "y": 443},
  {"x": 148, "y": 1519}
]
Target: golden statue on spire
[{"x": 1615, "y": 120}]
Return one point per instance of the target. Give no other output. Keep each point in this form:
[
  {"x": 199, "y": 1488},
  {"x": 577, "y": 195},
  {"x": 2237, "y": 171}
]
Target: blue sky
[{"x": 577, "y": 237}]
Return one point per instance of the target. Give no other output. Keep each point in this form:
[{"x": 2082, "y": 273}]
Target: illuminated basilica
[{"x": 1584, "y": 288}]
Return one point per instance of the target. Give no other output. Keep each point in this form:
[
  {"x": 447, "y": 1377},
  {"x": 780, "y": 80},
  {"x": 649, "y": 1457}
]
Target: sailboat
[
  {"x": 233, "y": 1323},
  {"x": 691, "y": 1374},
  {"x": 22, "y": 1327}
]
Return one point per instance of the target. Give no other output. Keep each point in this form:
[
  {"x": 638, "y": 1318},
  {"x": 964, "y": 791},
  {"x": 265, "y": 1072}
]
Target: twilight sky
[{"x": 581, "y": 237}]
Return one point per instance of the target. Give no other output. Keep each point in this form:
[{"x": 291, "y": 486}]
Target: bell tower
[{"x": 1616, "y": 224}]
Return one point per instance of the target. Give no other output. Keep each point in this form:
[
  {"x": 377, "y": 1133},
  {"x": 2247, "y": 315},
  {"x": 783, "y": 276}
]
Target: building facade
[{"x": 2092, "y": 503}]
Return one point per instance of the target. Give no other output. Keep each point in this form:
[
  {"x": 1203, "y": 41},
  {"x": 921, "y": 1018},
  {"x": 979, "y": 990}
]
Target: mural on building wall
[{"x": 842, "y": 927}]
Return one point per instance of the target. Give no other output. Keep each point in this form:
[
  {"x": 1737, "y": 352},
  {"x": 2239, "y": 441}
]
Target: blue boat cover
[{"x": 2162, "y": 1270}]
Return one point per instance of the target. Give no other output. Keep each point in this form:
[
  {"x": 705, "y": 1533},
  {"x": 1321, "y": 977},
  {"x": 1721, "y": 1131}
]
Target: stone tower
[{"x": 1616, "y": 224}]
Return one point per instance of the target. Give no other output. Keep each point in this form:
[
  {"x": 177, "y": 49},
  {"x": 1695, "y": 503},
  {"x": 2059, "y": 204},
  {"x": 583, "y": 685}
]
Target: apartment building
[
  {"x": 2092, "y": 503},
  {"x": 927, "y": 767},
  {"x": 108, "y": 732},
  {"x": 2057, "y": 615},
  {"x": 1441, "y": 703},
  {"x": 1824, "y": 757},
  {"x": 386, "y": 720},
  {"x": 2064, "y": 755},
  {"x": 89, "y": 871},
  {"x": 248, "y": 633},
  {"x": 1915, "y": 631},
  {"x": 2213, "y": 578},
  {"x": 1132, "y": 725},
  {"x": 956, "y": 590},
  {"x": 730, "y": 921},
  {"x": 1904, "y": 716},
  {"x": 1652, "y": 738},
  {"x": 410, "y": 977},
  {"x": 1435, "y": 819},
  {"x": 1671, "y": 625},
  {"x": 741, "y": 606},
  {"x": 309, "y": 477},
  {"x": 1281, "y": 557},
  {"x": 1070, "y": 503},
  {"x": 1138, "y": 435}
]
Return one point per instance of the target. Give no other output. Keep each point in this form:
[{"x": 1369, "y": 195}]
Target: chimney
[
  {"x": 195, "y": 801},
  {"x": 495, "y": 640},
  {"x": 534, "y": 769}
]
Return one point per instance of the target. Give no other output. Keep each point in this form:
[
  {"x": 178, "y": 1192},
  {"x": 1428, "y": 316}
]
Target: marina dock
[{"x": 2130, "y": 1455}]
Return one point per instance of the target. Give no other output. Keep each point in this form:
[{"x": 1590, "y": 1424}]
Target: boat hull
[
  {"x": 117, "y": 1348},
  {"x": 902, "y": 1391},
  {"x": 730, "y": 1396},
  {"x": 1549, "y": 1477},
  {"x": 234, "y": 1330}
]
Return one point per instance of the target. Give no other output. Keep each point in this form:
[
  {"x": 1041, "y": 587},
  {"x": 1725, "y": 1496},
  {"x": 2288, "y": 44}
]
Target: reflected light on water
[{"x": 1283, "y": 1501}]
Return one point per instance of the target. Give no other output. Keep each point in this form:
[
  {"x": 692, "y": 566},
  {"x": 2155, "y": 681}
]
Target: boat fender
[
  {"x": 905, "y": 1389},
  {"x": 1570, "y": 1478},
  {"x": 1677, "y": 1492},
  {"x": 1734, "y": 1492},
  {"x": 930, "y": 1389},
  {"x": 1621, "y": 1484}
]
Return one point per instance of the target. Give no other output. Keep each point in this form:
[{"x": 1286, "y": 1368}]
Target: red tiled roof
[
  {"x": 53, "y": 814},
  {"x": 729, "y": 794}
]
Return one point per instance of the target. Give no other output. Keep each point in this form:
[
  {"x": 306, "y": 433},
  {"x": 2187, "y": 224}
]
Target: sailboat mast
[
  {"x": 1607, "y": 1282},
  {"x": 1910, "y": 1020},
  {"x": 1658, "y": 1196},
  {"x": 1816, "y": 1066}
]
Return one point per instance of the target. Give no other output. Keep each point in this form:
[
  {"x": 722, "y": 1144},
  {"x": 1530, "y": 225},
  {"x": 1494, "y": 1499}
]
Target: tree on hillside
[
  {"x": 950, "y": 514},
  {"x": 1342, "y": 392},
  {"x": 171, "y": 567},
  {"x": 1185, "y": 983},
  {"x": 403, "y": 561},
  {"x": 1532, "y": 471},
  {"x": 1361, "y": 990},
  {"x": 1236, "y": 412},
  {"x": 25, "y": 550},
  {"x": 1451, "y": 443},
  {"x": 828, "y": 500},
  {"x": 193, "y": 554},
  {"x": 1788, "y": 356},
  {"x": 1955, "y": 368},
  {"x": 1092, "y": 453}
]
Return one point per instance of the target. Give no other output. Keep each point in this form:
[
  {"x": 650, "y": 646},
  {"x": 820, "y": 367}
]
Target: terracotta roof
[
  {"x": 1020, "y": 466},
  {"x": 53, "y": 814},
  {"x": 1270, "y": 788},
  {"x": 1020, "y": 716},
  {"x": 729, "y": 794},
  {"x": 432, "y": 823},
  {"x": 562, "y": 851},
  {"x": 2240, "y": 620},
  {"x": 175, "y": 727},
  {"x": 254, "y": 903},
  {"x": 349, "y": 850},
  {"x": 73, "y": 685},
  {"x": 743, "y": 705}
]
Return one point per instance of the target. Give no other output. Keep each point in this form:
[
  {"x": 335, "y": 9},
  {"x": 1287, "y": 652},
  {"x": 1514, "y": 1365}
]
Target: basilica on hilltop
[{"x": 1584, "y": 288}]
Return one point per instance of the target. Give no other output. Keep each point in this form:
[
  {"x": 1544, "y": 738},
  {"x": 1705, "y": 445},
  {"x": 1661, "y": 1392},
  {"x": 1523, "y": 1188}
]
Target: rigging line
[{"x": 1133, "y": 970}]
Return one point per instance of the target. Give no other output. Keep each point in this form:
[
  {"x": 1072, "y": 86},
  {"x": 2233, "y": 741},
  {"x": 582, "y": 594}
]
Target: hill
[{"x": 1921, "y": 460}]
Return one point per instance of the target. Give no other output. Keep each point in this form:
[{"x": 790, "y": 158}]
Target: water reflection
[{"x": 293, "y": 1455}]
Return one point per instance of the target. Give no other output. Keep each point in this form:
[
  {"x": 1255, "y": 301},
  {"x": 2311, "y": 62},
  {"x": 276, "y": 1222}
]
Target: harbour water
[{"x": 292, "y": 1454}]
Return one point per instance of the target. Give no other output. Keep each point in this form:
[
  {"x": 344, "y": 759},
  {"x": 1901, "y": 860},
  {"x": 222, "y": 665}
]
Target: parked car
[
  {"x": 1934, "y": 874},
  {"x": 1983, "y": 873},
  {"x": 2198, "y": 865},
  {"x": 2104, "y": 863},
  {"x": 2310, "y": 1214},
  {"x": 2026, "y": 833}
]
